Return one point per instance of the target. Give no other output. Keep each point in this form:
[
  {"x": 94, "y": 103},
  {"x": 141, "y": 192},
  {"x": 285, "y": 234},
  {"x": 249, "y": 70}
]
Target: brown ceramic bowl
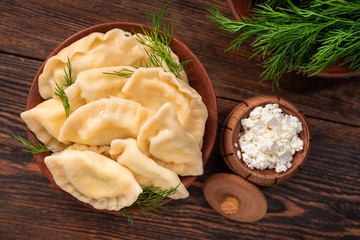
[
  {"x": 198, "y": 79},
  {"x": 334, "y": 71},
  {"x": 230, "y": 135},
  {"x": 242, "y": 6}
]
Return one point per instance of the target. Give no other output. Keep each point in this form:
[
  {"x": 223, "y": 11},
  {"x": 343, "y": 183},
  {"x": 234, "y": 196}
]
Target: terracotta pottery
[
  {"x": 235, "y": 198},
  {"x": 230, "y": 135},
  {"x": 242, "y": 6},
  {"x": 198, "y": 79},
  {"x": 333, "y": 71}
]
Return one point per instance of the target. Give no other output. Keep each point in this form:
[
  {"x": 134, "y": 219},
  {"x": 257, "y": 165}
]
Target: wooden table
[{"x": 321, "y": 202}]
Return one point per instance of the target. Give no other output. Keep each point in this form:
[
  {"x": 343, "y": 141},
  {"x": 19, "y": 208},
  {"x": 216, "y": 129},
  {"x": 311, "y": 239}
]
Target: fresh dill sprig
[
  {"x": 59, "y": 90},
  {"x": 309, "y": 35},
  {"x": 338, "y": 44},
  {"x": 124, "y": 72},
  {"x": 159, "y": 42},
  {"x": 150, "y": 199},
  {"x": 34, "y": 148},
  {"x": 67, "y": 74}
]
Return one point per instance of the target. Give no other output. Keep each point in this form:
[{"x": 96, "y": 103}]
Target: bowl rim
[
  {"x": 232, "y": 127},
  {"x": 182, "y": 51},
  {"x": 335, "y": 70}
]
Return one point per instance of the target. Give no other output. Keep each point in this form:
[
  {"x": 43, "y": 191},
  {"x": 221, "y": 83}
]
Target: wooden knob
[
  {"x": 230, "y": 206},
  {"x": 234, "y": 197}
]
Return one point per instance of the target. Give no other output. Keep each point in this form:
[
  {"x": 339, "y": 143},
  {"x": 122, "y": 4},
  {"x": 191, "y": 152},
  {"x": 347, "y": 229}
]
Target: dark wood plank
[
  {"x": 234, "y": 75},
  {"x": 48, "y": 23},
  {"x": 321, "y": 202},
  {"x": 16, "y": 74}
]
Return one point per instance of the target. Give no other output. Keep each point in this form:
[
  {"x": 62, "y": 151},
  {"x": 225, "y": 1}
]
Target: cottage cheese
[{"x": 269, "y": 139}]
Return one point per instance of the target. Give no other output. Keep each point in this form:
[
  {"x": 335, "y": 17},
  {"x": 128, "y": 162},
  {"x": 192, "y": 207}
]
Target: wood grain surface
[{"x": 321, "y": 202}]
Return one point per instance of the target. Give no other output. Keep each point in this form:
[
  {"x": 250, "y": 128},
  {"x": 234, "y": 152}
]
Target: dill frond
[
  {"x": 124, "y": 72},
  {"x": 67, "y": 74},
  {"x": 60, "y": 92},
  {"x": 34, "y": 148},
  {"x": 149, "y": 200},
  {"x": 159, "y": 42}
]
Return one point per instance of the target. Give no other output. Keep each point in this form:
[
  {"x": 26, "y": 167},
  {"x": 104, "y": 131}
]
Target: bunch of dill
[{"x": 302, "y": 35}]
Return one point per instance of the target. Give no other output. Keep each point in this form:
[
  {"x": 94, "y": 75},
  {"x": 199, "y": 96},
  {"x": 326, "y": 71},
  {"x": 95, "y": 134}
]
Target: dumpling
[
  {"x": 93, "y": 84},
  {"x": 101, "y": 121},
  {"x": 152, "y": 88},
  {"x": 114, "y": 48},
  {"x": 163, "y": 138},
  {"x": 145, "y": 170},
  {"x": 103, "y": 150},
  {"x": 94, "y": 179},
  {"x": 45, "y": 121}
]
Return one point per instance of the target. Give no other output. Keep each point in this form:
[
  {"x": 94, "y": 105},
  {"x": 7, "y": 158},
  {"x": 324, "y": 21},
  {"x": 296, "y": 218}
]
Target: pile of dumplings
[{"x": 122, "y": 134}]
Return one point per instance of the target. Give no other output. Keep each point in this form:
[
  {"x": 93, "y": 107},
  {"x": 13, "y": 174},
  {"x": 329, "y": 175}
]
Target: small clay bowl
[
  {"x": 198, "y": 78},
  {"x": 334, "y": 71},
  {"x": 242, "y": 6},
  {"x": 230, "y": 136}
]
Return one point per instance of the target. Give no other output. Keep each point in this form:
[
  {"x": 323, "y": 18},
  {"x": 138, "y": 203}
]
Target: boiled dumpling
[
  {"x": 114, "y": 48},
  {"x": 103, "y": 149},
  {"x": 152, "y": 88},
  {"x": 45, "y": 121},
  {"x": 145, "y": 170},
  {"x": 101, "y": 121},
  {"x": 94, "y": 179},
  {"x": 93, "y": 84},
  {"x": 163, "y": 138}
]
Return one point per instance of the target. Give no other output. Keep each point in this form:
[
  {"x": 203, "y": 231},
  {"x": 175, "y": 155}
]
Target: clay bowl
[
  {"x": 334, "y": 71},
  {"x": 242, "y": 6},
  {"x": 198, "y": 79},
  {"x": 230, "y": 135}
]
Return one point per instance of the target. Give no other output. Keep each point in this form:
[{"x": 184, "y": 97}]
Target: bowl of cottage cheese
[{"x": 266, "y": 140}]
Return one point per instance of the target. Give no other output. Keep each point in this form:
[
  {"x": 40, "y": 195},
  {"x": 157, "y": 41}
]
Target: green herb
[
  {"x": 159, "y": 43},
  {"x": 34, "y": 148},
  {"x": 125, "y": 73},
  {"x": 306, "y": 36},
  {"x": 338, "y": 44},
  {"x": 59, "y": 90},
  {"x": 67, "y": 75},
  {"x": 149, "y": 199}
]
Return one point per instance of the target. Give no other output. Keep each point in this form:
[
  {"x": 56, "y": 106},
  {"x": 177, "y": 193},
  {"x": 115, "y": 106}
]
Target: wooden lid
[{"x": 234, "y": 197}]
